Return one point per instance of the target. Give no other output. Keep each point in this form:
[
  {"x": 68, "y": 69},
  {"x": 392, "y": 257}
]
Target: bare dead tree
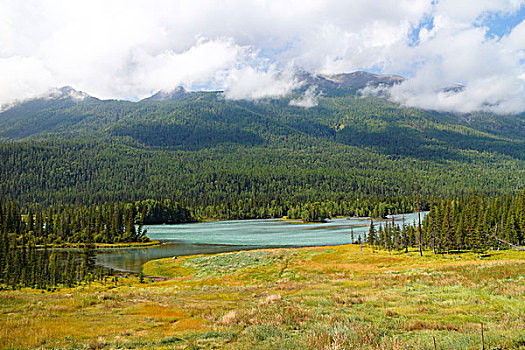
[{"x": 503, "y": 241}]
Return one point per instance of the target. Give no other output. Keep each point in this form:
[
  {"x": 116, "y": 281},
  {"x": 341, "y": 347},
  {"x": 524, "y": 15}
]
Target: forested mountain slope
[{"x": 202, "y": 149}]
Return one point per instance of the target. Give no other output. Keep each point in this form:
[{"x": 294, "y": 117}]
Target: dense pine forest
[
  {"x": 27, "y": 237},
  {"x": 201, "y": 150},
  {"x": 476, "y": 222}
]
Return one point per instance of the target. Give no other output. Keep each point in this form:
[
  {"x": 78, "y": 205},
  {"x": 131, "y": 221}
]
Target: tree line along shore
[{"x": 470, "y": 223}]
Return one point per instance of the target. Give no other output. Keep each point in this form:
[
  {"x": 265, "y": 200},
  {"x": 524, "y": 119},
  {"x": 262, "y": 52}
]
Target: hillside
[{"x": 202, "y": 149}]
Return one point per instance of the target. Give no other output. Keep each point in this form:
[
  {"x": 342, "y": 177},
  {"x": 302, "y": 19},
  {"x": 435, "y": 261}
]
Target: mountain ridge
[
  {"x": 66, "y": 110},
  {"x": 347, "y": 82},
  {"x": 206, "y": 149}
]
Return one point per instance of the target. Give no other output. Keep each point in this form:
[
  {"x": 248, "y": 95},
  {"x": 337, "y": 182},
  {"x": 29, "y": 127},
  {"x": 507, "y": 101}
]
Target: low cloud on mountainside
[
  {"x": 308, "y": 100},
  {"x": 130, "y": 49}
]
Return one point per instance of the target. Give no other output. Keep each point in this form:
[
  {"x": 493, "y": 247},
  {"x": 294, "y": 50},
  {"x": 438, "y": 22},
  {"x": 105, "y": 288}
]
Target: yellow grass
[{"x": 307, "y": 298}]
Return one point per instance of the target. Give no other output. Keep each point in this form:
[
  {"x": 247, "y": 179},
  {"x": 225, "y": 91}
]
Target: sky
[{"x": 252, "y": 49}]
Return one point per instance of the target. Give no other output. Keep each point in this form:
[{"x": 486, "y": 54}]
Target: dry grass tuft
[
  {"x": 270, "y": 299},
  {"x": 229, "y": 318},
  {"x": 418, "y": 325},
  {"x": 390, "y": 313},
  {"x": 97, "y": 344}
]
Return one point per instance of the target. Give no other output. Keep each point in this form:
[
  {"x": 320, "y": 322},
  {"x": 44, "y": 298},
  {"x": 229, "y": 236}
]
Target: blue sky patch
[
  {"x": 500, "y": 24},
  {"x": 413, "y": 35}
]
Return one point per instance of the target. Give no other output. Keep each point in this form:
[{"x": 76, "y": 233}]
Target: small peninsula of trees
[{"x": 28, "y": 238}]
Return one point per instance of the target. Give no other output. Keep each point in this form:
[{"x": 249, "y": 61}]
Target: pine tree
[
  {"x": 70, "y": 269},
  {"x": 520, "y": 213},
  {"x": 88, "y": 255},
  {"x": 371, "y": 233},
  {"x": 396, "y": 237},
  {"x": 130, "y": 233},
  {"x": 53, "y": 269},
  {"x": 446, "y": 229},
  {"x": 381, "y": 241},
  {"x": 30, "y": 221},
  {"x": 39, "y": 222},
  {"x": 404, "y": 235}
]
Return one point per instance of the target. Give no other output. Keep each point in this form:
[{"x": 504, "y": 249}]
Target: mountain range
[{"x": 68, "y": 145}]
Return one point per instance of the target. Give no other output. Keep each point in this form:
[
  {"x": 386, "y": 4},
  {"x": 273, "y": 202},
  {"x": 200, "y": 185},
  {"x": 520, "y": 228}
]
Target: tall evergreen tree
[{"x": 371, "y": 233}]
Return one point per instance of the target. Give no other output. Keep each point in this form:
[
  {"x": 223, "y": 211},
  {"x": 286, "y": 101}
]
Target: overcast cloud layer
[{"x": 129, "y": 49}]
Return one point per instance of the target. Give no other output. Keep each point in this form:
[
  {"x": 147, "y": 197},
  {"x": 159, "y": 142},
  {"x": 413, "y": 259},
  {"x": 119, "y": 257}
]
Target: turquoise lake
[{"x": 226, "y": 236}]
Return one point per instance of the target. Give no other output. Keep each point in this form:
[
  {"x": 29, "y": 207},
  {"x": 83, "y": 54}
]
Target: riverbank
[{"x": 302, "y": 298}]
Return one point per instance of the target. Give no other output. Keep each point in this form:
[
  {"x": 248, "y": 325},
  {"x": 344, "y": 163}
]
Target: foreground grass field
[{"x": 307, "y": 298}]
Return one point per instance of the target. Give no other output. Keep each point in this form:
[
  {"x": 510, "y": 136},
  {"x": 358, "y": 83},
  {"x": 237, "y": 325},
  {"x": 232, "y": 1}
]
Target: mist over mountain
[
  {"x": 340, "y": 101},
  {"x": 327, "y": 85},
  {"x": 173, "y": 95}
]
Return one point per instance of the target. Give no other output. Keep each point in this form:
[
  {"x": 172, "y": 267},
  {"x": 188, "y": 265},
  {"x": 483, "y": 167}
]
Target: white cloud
[
  {"x": 22, "y": 77},
  {"x": 469, "y": 10},
  {"x": 252, "y": 84},
  {"x": 128, "y": 49},
  {"x": 454, "y": 52},
  {"x": 191, "y": 67},
  {"x": 308, "y": 100}
]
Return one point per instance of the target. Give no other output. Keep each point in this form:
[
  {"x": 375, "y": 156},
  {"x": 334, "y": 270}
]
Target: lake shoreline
[
  {"x": 207, "y": 238},
  {"x": 137, "y": 245},
  {"x": 298, "y": 221}
]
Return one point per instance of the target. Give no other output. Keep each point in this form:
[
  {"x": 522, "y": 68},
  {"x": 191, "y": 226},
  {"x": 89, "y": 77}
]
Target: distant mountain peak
[
  {"x": 361, "y": 79},
  {"x": 65, "y": 92},
  {"x": 331, "y": 85},
  {"x": 454, "y": 89},
  {"x": 176, "y": 94}
]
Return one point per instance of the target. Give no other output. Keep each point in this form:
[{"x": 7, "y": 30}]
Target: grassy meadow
[{"x": 304, "y": 298}]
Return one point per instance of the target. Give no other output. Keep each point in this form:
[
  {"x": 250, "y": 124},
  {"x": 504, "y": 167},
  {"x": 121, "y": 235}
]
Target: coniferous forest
[
  {"x": 26, "y": 260},
  {"x": 465, "y": 223},
  {"x": 472, "y": 222}
]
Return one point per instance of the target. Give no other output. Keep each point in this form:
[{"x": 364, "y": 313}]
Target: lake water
[{"x": 226, "y": 236}]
